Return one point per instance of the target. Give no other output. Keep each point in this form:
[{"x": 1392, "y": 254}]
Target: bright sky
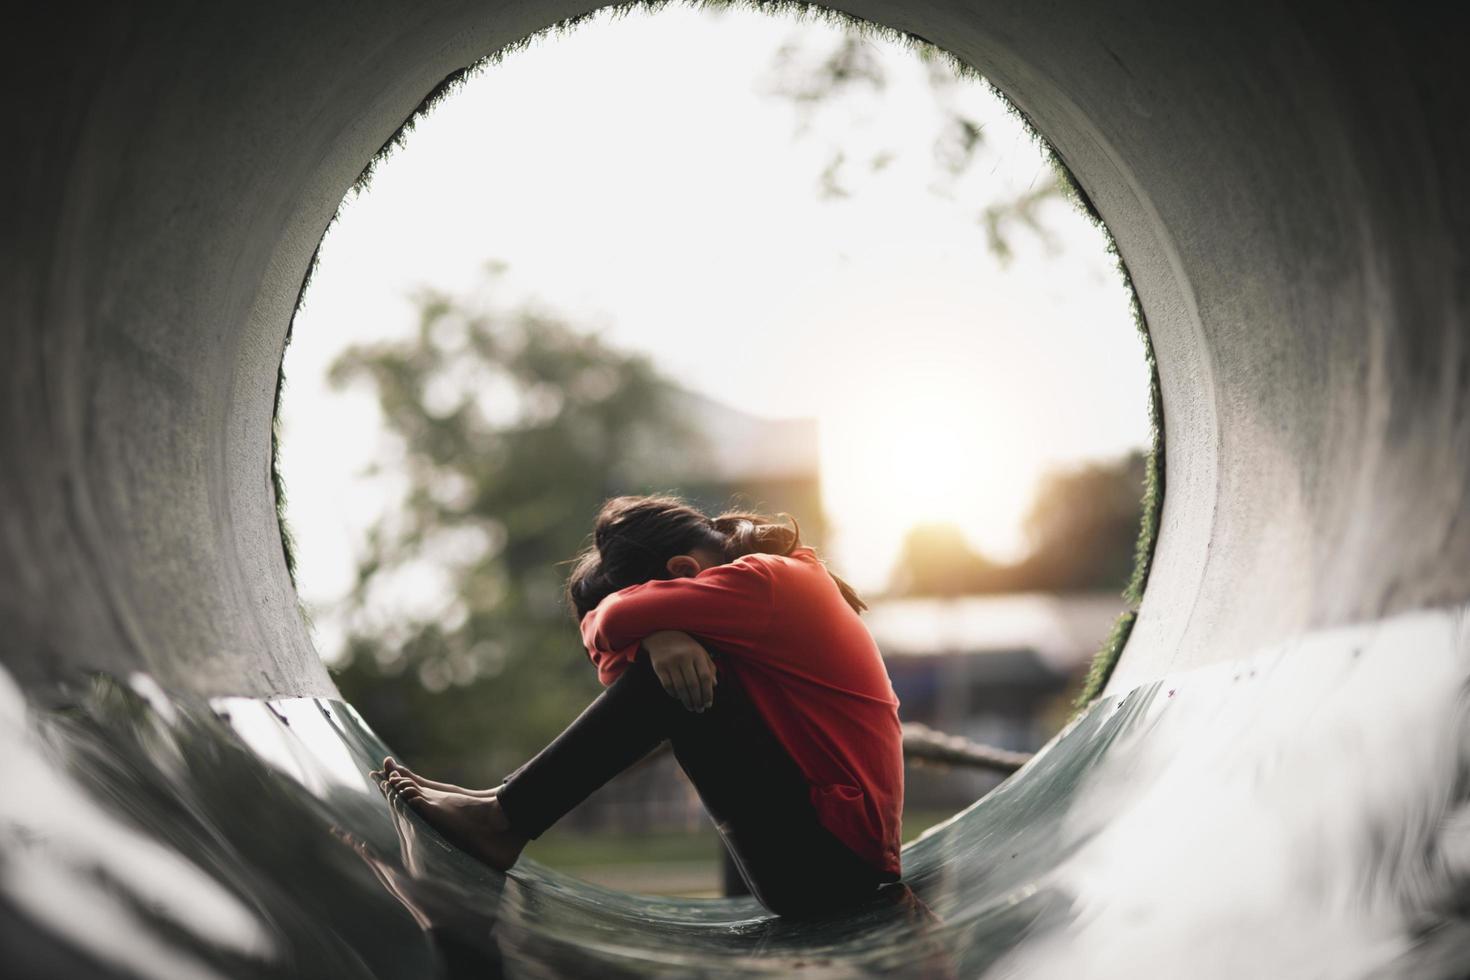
[{"x": 638, "y": 178}]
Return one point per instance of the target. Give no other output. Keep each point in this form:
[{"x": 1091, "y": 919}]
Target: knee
[
  {"x": 639, "y": 673},
  {"x": 638, "y": 682}
]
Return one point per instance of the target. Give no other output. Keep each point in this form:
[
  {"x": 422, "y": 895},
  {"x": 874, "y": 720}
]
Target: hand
[{"x": 683, "y": 667}]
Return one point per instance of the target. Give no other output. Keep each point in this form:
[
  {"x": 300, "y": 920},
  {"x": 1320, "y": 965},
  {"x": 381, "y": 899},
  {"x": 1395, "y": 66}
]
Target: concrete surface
[{"x": 1283, "y": 180}]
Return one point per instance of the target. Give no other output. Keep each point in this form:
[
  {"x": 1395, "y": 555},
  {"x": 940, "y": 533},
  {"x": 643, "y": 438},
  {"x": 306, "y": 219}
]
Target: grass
[
  {"x": 569, "y": 850},
  {"x": 1107, "y": 657},
  {"x": 1144, "y": 546},
  {"x": 573, "y": 851},
  {"x": 915, "y": 822}
]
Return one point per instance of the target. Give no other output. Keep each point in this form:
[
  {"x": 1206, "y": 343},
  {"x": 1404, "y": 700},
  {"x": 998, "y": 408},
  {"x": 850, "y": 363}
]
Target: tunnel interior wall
[{"x": 1282, "y": 185}]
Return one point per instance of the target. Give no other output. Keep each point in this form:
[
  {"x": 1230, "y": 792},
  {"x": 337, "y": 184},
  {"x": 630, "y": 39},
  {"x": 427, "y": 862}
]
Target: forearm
[
  {"x": 625, "y": 625},
  {"x": 726, "y": 603},
  {"x": 611, "y": 659}
]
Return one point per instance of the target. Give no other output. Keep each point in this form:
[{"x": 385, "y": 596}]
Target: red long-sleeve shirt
[{"x": 807, "y": 663}]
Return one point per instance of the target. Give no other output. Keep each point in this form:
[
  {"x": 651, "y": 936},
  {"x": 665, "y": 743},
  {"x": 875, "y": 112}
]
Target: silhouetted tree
[
  {"x": 1082, "y": 528},
  {"x": 936, "y": 560}
]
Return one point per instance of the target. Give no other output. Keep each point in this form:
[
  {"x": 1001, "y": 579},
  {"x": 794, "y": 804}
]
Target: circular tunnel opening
[
  {"x": 199, "y": 807},
  {"x": 950, "y": 346}
]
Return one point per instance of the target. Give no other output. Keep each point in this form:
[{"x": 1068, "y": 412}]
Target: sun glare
[{"x": 920, "y": 453}]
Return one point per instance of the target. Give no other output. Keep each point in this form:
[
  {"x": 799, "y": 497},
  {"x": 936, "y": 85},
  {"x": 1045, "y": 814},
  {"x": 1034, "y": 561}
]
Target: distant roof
[
  {"x": 1064, "y": 630},
  {"x": 746, "y": 446}
]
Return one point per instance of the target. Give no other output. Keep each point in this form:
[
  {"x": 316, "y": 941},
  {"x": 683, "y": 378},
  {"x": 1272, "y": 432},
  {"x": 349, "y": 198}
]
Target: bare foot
[
  {"x": 474, "y": 824},
  {"x": 397, "y": 783},
  {"x": 391, "y": 766}
]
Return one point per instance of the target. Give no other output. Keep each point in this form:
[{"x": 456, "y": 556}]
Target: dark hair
[{"x": 634, "y": 537}]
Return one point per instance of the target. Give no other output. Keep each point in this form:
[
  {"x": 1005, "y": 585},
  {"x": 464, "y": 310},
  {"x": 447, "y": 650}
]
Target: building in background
[
  {"x": 997, "y": 669},
  {"x": 750, "y": 463}
]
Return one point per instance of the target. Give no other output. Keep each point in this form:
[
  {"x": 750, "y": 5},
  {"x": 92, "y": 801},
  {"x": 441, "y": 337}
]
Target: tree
[
  {"x": 1082, "y": 530},
  {"x": 936, "y": 560},
  {"x": 513, "y": 427},
  {"x": 816, "y": 79},
  {"x": 1083, "y": 526}
]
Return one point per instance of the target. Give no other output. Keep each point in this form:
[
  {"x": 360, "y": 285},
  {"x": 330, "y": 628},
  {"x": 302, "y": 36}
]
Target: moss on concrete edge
[
  {"x": 278, "y": 482},
  {"x": 1144, "y": 547},
  {"x": 1107, "y": 655}
]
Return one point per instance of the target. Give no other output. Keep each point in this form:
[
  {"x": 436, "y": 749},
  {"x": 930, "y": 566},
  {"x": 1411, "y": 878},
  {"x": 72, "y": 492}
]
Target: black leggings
[{"x": 758, "y": 798}]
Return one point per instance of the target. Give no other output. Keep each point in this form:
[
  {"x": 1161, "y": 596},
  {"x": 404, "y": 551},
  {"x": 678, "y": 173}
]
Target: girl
[{"x": 730, "y": 639}]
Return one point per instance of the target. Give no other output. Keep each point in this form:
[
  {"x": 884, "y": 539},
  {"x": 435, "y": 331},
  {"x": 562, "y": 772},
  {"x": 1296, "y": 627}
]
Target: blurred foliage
[
  {"x": 1083, "y": 526},
  {"x": 1082, "y": 531},
  {"x": 936, "y": 560},
  {"x": 512, "y": 428},
  {"x": 815, "y": 79}
]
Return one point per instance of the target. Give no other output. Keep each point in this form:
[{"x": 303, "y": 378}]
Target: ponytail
[{"x": 750, "y": 534}]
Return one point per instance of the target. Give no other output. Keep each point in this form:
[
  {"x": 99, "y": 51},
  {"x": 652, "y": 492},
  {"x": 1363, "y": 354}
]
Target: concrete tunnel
[{"x": 1284, "y": 183}]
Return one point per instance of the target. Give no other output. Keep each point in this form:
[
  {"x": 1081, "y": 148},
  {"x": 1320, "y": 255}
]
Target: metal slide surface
[{"x": 1239, "y": 820}]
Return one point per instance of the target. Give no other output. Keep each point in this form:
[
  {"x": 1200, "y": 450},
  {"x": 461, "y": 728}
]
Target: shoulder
[
  {"x": 751, "y": 566},
  {"x": 764, "y": 563},
  {"x": 799, "y": 556},
  {"x": 746, "y": 573},
  {"x": 756, "y": 572},
  {"x": 769, "y": 567}
]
